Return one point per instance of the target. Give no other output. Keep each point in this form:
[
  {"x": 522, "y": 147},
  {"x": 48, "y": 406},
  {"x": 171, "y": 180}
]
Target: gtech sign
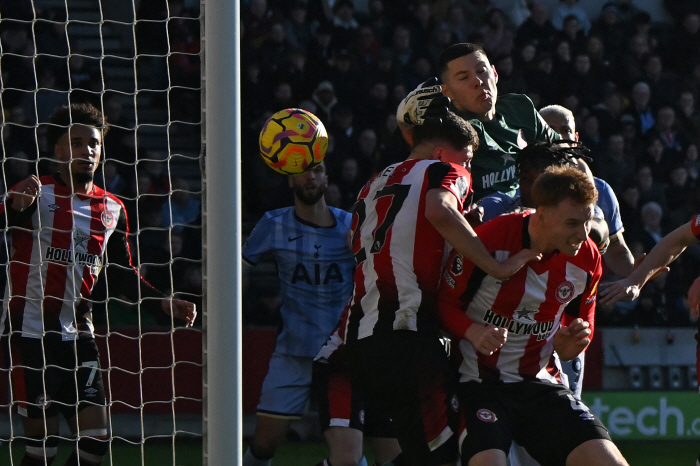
[{"x": 647, "y": 415}]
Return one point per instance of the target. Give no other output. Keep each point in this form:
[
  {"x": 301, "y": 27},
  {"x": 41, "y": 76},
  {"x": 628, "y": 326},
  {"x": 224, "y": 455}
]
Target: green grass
[{"x": 158, "y": 453}]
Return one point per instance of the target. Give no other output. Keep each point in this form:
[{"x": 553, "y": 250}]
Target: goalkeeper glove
[{"x": 424, "y": 103}]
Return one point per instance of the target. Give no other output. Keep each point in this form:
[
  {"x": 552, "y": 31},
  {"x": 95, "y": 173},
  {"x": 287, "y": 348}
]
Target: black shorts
[
  {"x": 408, "y": 374},
  {"x": 546, "y": 419},
  {"x": 50, "y": 375},
  {"x": 340, "y": 404}
]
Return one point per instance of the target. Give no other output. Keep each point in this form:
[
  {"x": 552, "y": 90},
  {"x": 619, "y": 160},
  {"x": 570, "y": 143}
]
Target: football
[{"x": 293, "y": 141}]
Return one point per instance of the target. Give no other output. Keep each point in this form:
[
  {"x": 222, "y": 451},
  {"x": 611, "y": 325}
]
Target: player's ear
[
  {"x": 495, "y": 74},
  {"x": 576, "y": 136},
  {"x": 437, "y": 153}
]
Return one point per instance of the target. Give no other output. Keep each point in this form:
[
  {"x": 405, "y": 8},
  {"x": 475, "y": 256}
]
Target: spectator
[
  {"x": 366, "y": 48},
  {"x": 342, "y": 128},
  {"x": 663, "y": 83},
  {"x": 668, "y": 129},
  {"x": 256, "y": 21},
  {"x": 275, "y": 50},
  {"x": 296, "y": 28},
  {"x": 607, "y": 26},
  {"x": 630, "y": 210},
  {"x": 345, "y": 77},
  {"x": 569, "y": 8},
  {"x": 510, "y": 79},
  {"x": 496, "y": 33},
  {"x": 402, "y": 49},
  {"x": 685, "y": 42},
  {"x": 562, "y": 57},
  {"x": 543, "y": 80},
  {"x": 591, "y": 136},
  {"x": 573, "y": 33},
  {"x": 678, "y": 193},
  {"x": 376, "y": 107},
  {"x": 658, "y": 157},
  {"x": 650, "y": 189},
  {"x": 345, "y": 26},
  {"x": 582, "y": 82},
  {"x": 692, "y": 162},
  {"x": 537, "y": 29},
  {"x": 421, "y": 23},
  {"x": 282, "y": 97},
  {"x": 320, "y": 56},
  {"x": 367, "y": 154},
  {"x": 688, "y": 113},
  {"x": 441, "y": 38},
  {"x": 640, "y": 108},
  {"x": 614, "y": 165},
  {"x": 601, "y": 65},
  {"x": 293, "y": 71},
  {"x": 651, "y": 215},
  {"x": 628, "y": 129},
  {"x": 456, "y": 22},
  {"x": 630, "y": 67},
  {"x": 350, "y": 182},
  {"x": 324, "y": 97}
]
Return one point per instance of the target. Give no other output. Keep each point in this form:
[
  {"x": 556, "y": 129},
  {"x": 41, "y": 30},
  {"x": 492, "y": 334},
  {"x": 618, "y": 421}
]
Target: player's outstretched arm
[
  {"x": 441, "y": 209},
  {"x": 569, "y": 341},
  {"x": 665, "y": 252},
  {"x": 180, "y": 309}
]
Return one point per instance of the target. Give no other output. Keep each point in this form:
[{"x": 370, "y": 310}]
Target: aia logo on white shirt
[{"x": 565, "y": 292}]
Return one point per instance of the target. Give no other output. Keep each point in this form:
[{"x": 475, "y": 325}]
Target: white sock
[{"x": 250, "y": 460}]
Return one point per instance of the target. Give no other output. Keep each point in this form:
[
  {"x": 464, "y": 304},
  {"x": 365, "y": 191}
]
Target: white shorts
[{"x": 287, "y": 387}]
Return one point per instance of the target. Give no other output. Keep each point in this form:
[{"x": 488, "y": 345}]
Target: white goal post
[{"x": 223, "y": 370}]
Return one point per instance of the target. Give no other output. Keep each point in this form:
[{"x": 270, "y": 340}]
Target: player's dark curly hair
[
  {"x": 455, "y": 130},
  {"x": 540, "y": 155},
  {"x": 83, "y": 114}
]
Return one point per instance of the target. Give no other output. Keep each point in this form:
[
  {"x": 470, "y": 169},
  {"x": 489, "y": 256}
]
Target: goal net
[{"x": 139, "y": 63}]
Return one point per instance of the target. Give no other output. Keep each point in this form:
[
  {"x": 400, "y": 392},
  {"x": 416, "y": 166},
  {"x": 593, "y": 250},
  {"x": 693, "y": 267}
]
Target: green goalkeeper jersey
[{"x": 515, "y": 125}]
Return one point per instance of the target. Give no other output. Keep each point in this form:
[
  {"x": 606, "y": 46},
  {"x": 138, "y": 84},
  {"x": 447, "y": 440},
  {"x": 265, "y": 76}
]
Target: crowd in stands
[
  {"x": 43, "y": 67},
  {"x": 632, "y": 83}
]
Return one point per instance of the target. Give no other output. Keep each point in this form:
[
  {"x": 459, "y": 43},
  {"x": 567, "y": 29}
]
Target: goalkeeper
[
  {"x": 504, "y": 124},
  {"x": 63, "y": 229}
]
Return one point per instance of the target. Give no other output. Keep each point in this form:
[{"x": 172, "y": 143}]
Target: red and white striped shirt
[
  {"x": 58, "y": 247},
  {"x": 531, "y": 304},
  {"x": 399, "y": 253}
]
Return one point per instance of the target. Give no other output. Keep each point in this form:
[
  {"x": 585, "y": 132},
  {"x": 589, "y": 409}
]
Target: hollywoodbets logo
[
  {"x": 66, "y": 255},
  {"x": 541, "y": 329}
]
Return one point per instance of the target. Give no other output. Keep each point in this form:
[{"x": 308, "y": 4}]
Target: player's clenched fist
[
  {"x": 25, "y": 192},
  {"x": 569, "y": 341},
  {"x": 424, "y": 103},
  {"x": 486, "y": 339}
]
